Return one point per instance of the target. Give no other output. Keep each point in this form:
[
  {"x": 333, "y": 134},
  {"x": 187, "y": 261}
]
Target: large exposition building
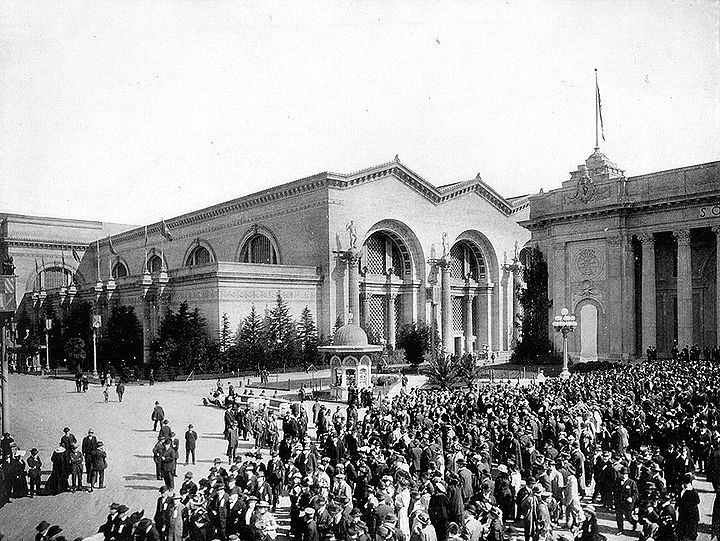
[
  {"x": 634, "y": 258},
  {"x": 382, "y": 243}
]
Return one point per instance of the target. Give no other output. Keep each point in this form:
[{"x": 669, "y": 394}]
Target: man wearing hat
[
  {"x": 341, "y": 487},
  {"x": 218, "y": 510},
  {"x": 536, "y": 515},
  {"x": 235, "y": 511},
  {"x": 589, "y": 528},
  {"x": 169, "y": 462},
  {"x": 42, "y": 531},
  {"x": 147, "y": 531},
  {"x": 76, "y": 468},
  {"x": 472, "y": 529},
  {"x": 161, "y": 507},
  {"x": 496, "y": 528},
  {"x": 89, "y": 444},
  {"x": 275, "y": 477},
  {"x": 34, "y": 471},
  {"x": 310, "y": 529},
  {"x": 120, "y": 529},
  {"x": 626, "y": 495},
  {"x": 264, "y": 525},
  {"x": 188, "y": 489},
  {"x": 190, "y": 444}
]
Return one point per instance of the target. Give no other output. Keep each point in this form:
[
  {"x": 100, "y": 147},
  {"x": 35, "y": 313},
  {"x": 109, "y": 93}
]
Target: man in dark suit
[
  {"x": 188, "y": 489},
  {"x": 169, "y": 456},
  {"x": 190, "y": 443},
  {"x": 146, "y": 531},
  {"x": 218, "y": 510},
  {"x": 310, "y": 531},
  {"x": 626, "y": 495},
  {"x": 89, "y": 444},
  {"x": 165, "y": 429},
  {"x": 158, "y": 415},
  {"x": 67, "y": 439},
  {"x": 163, "y": 502}
]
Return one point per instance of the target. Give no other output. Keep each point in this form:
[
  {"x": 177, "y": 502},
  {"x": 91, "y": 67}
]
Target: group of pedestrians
[{"x": 70, "y": 461}]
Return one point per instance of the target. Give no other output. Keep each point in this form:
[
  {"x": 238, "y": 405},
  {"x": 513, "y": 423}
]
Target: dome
[{"x": 350, "y": 335}]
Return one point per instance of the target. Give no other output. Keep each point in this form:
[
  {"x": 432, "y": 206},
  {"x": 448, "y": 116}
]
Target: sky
[{"x": 129, "y": 111}]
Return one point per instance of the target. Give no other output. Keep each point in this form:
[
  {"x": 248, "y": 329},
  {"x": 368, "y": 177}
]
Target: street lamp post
[
  {"x": 48, "y": 327},
  {"x": 564, "y": 323},
  {"x": 97, "y": 323}
]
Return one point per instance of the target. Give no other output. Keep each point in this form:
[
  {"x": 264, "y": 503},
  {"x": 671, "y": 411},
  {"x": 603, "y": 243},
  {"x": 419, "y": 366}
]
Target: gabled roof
[{"x": 436, "y": 195}]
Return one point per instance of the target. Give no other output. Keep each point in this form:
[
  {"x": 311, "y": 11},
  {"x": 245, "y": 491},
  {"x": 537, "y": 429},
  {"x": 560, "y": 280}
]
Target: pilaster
[{"x": 684, "y": 289}]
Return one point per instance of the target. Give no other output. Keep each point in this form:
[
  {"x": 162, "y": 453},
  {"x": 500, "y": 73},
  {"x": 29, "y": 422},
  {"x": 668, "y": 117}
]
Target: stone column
[
  {"x": 647, "y": 293},
  {"x": 517, "y": 307},
  {"x": 390, "y": 314},
  {"x": 716, "y": 230},
  {"x": 556, "y": 277},
  {"x": 446, "y": 307},
  {"x": 483, "y": 304},
  {"x": 684, "y": 289},
  {"x": 352, "y": 257},
  {"x": 468, "y": 323},
  {"x": 365, "y": 300}
]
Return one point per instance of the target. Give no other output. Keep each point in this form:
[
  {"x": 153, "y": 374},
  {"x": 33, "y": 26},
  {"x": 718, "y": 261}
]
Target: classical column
[
  {"x": 390, "y": 326},
  {"x": 352, "y": 257},
  {"x": 446, "y": 307},
  {"x": 468, "y": 324},
  {"x": 716, "y": 230},
  {"x": 557, "y": 278},
  {"x": 483, "y": 305},
  {"x": 365, "y": 300},
  {"x": 684, "y": 289},
  {"x": 648, "y": 293}
]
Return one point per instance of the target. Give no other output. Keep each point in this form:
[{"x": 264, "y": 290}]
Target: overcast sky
[{"x": 129, "y": 111}]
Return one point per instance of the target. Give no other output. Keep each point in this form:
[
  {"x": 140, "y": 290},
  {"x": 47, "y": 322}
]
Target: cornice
[{"x": 49, "y": 244}]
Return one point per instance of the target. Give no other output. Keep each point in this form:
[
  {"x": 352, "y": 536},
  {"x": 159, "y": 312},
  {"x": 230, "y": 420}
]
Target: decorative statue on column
[
  {"x": 352, "y": 232},
  {"x": 444, "y": 245}
]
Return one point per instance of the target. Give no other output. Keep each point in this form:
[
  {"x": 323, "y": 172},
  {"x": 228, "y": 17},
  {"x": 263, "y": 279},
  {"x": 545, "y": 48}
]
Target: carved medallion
[{"x": 587, "y": 262}]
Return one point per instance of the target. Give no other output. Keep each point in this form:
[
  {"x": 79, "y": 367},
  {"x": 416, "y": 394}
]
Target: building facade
[
  {"x": 382, "y": 243},
  {"x": 634, "y": 258}
]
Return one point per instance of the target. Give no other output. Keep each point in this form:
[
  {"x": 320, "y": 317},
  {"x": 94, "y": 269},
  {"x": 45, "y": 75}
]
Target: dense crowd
[{"x": 476, "y": 464}]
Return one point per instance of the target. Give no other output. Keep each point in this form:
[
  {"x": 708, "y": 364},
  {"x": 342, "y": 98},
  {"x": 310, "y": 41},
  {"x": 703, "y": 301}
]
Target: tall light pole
[
  {"x": 565, "y": 323},
  {"x": 97, "y": 323},
  {"x": 5, "y": 392},
  {"x": 48, "y": 327}
]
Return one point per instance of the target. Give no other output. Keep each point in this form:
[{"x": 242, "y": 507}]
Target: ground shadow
[
  {"x": 143, "y": 456},
  {"x": 139, "y": 430},
  {"x": 140, "y": 476},
  {"x": 143, "y": 487}
]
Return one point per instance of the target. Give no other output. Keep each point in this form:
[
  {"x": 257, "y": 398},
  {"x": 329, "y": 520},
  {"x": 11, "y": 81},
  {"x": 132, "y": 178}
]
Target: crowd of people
[{"x": 476, "y": 464}]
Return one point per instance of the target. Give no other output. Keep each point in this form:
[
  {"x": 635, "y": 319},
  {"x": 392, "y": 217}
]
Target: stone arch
[
  {"x": 406, "y": 240},
  {"x": 155, "y": 255},
  {"x": 33, "y": 281},
  {"x": 192, "y": 248},
  {"x": 485, "y": 247},
  {"x": 118, "y": 267},
  {"x": 253, "y": 231}
]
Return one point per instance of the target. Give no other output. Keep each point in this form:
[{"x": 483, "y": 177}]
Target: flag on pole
[
  {"x": 599, "y": 104},
  {"x": 62, "y": 254},
  {"x": 76, "y": 255},
  {"x": 37, "y": 270},
  {"x": 165, "y": 230},
  {"x": 146, "y": 238},
  {"x": 113, "y": 251}
]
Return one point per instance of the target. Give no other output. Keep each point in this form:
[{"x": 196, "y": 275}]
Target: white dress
[{"x": 402, "y": 504}]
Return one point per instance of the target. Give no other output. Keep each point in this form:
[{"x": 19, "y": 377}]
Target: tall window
[
  {"x": 199, "y": 256},
  {"x": 53, "y": 278},
  {"x": 383, "y": 255},
  {"x": 154, "y": 264},
  {"x": 258, "y": 249},
  {"x": 464, "y": 261},
  {"x": 119, "y": 270}
]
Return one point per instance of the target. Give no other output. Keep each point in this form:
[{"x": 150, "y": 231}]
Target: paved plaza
[{"x": 41, "y": 407}]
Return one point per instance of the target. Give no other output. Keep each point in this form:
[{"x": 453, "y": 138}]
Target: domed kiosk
[{"x": 350, "y": 362}]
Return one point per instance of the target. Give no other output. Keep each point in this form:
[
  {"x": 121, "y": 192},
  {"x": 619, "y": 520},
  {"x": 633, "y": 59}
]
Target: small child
[{"x": 106, "y": 392}]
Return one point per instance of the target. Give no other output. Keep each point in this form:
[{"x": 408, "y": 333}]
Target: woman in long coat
[
  {"x": 688, "y": 513},
  {"x": 57, "y": 482},
  {"x": 18, "y": 479},
  {"x": 174, "y": 519},
  {"x": 99, "y": 465}
]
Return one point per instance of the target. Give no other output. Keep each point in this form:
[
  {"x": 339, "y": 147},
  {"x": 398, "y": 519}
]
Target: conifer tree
[{"x": 307, "y": 339}]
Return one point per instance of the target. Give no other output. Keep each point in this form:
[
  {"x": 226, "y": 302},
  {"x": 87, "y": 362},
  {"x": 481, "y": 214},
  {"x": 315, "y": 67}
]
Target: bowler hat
[
  {"x": 42, "y": 526},
  {"x": 54, "y": 530}
]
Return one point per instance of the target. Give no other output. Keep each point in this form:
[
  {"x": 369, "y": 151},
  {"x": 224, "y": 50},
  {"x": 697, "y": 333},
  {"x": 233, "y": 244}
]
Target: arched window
[
  {"x": 259, "y": 249},
  {"x": 384, "y": 255},
  {"x": 466, "y": 261},
  {"x": 53, "y": 278},
  {"x": 119, "y": 270},
  {"x": 154, "y": 264},
  {"x": 199, "y": 256}
]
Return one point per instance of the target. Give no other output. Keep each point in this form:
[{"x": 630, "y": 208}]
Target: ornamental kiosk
[{"x": 350, "y": 361}]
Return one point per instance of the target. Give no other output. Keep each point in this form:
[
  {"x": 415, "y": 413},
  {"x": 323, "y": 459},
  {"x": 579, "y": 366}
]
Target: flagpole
[{"x": 597, "y": 113}]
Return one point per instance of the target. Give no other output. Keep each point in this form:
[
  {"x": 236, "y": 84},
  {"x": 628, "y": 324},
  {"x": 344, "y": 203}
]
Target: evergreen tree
[
  {"x": 75, "y": 353},
  {"x": 183, "y": 344},
  {"x": 414, "y": 339},
  {"x": 279, "y": 333},
  {"x": 226, "y": 337},
  {"x": 535, "y": 346},
  {"x": 307, "y": 339},
  {"x": 78, "y": 324},
  {"x": 249, "y": 343},
  {"x": 122, "y": 342}
]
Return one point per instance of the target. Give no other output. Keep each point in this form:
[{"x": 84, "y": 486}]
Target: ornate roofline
[{"x": 328, "y": 179}]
